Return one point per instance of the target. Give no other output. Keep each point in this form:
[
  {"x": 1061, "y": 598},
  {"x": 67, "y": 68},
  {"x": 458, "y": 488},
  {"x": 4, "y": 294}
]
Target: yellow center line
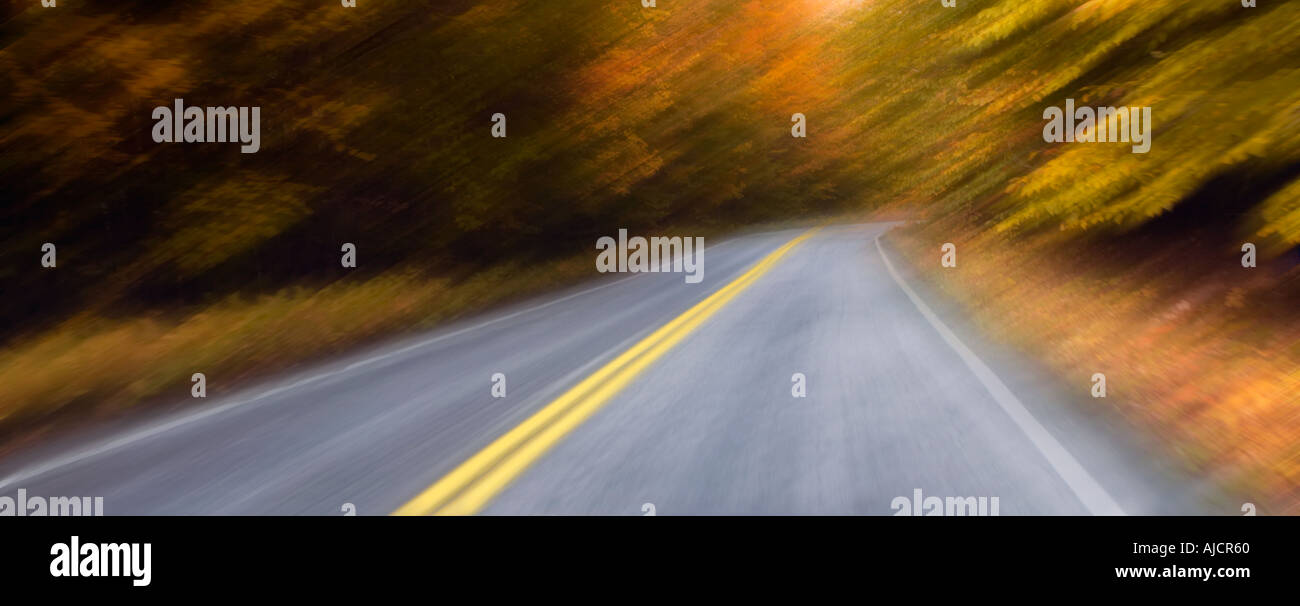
[{"x": 470, "y": 486}]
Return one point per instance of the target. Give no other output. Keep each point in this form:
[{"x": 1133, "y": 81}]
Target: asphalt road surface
[{"x": 640, "y": 392}]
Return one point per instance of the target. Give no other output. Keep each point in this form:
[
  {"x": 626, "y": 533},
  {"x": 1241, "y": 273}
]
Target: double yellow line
[{"x": 469, "y": 487}]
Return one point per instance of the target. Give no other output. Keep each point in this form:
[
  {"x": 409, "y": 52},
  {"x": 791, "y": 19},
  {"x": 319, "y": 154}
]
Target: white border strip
[{"x": 1085, "y": 487}]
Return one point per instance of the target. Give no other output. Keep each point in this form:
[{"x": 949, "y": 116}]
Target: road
[{"x": 642, "y": 392}]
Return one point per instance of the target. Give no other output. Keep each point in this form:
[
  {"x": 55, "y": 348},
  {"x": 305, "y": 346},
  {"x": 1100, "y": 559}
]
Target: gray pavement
[{"x": 710, "y": 428}]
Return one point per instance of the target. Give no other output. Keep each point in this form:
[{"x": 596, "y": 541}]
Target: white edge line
[
  {"x": 191, "y": 417},
  {"x": 1091, "y": 493},
  {"x": 188, "y": 417}
]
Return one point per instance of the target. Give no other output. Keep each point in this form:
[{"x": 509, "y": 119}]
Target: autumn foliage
[{"x": 375, "y": 130}]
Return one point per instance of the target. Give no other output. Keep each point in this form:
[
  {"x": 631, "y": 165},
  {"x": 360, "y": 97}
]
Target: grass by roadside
[
  {"x": 90, "y": 365},
  {"x": 1210, "y": 367}
]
